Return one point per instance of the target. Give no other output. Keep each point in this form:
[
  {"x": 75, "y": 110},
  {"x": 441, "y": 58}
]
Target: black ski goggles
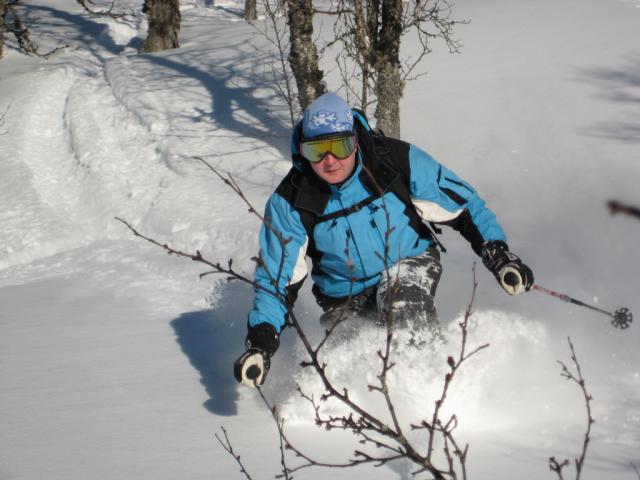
[{"x": 338, "y": 145}]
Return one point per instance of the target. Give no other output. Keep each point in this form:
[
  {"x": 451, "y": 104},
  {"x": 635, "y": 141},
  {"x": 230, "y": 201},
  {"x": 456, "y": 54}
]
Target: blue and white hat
[{"x": 327, "y": 114}]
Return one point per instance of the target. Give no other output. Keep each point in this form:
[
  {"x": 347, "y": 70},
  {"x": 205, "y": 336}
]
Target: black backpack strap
[
  {"x": 395, "y": 154},
  {"x": 347, "y": 211}
]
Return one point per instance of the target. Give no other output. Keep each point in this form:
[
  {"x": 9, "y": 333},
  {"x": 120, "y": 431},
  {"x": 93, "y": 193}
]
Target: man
[{"x": 358, "y": 203}]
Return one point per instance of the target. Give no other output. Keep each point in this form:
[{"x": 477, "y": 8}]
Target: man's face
[{"x": 334, "y": 170}]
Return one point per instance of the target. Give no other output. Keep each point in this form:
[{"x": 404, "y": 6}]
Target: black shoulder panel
[
  {"x": 309, "y": 196},
  {"x": 304, "y": 191},
  {"x": 454, "y": 196},
  {"x": 287, "y": 189}
]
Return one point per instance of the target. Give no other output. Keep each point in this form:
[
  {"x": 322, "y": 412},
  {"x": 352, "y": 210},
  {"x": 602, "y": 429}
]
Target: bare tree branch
[
  {"x": 280, "y": 70},
  {"x": 556, "y": 466},
  {"x": 13, "y": 23},
  {"x": 230, "y": 182},
  {"x": 436, "y": 424},
  {"x": 226, "y": 444},
  {"x": 617, "y": 207},
  {"x": 100, "y": 13},
  {"x": 370, "y": 429},
  {"x": 197, "y": 257},
  {"x": 371, "y": 33},
  {"x": 578, "y": 379},
  {"x": 280, "y": 424}
]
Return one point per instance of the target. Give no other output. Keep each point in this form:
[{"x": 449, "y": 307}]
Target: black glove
[
  {"x": 512, "y": 275},
  {"x": 253, "y": 365}
]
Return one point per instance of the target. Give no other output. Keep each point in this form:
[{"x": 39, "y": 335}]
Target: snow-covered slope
[{"x": 115, "y": 359}]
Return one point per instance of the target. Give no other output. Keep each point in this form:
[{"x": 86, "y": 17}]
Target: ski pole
[{"x": 622, "y": 317}]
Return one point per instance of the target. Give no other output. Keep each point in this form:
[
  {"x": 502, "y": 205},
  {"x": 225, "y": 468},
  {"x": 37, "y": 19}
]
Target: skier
[{"x": 358, "y": 203}]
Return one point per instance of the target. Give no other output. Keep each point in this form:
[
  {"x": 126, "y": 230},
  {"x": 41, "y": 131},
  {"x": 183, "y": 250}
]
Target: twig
[
  {"x": 274, "y": 279},
  {"x": 280, "y": 424},
  {"x": 361, "y": 421},
  {"x": 276, "y": 64},
  {"x": 197, "y": 257},
  {"x": 231, "y": 183},
  {"x": 577, "y": 378},
  {"x": 617, "y": 207},
  {"x": 101, "y": 13},
  {"x": 310, "y": 462},
  {"x": 227, "y": 446},
  {"x": 14, "y": 24},
  {"x": 454, "y": 365},
  {"x": 557, "y": 467},
  {"x": 369, "y": 428}
]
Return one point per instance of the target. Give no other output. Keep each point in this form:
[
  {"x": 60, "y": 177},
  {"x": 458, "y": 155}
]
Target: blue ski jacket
[{"x": 348, "y": 230}]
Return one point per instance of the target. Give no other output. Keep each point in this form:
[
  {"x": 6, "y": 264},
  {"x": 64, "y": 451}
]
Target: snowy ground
[{"x": 115, "y": 359}]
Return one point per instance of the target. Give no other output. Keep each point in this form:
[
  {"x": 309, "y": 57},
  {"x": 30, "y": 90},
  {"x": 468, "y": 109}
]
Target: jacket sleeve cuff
[{"x": 263, "y": 336}]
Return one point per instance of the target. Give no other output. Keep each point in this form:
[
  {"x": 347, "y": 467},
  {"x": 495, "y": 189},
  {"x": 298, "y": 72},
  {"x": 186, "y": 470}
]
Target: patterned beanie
[{"x": 327, "y": 114}]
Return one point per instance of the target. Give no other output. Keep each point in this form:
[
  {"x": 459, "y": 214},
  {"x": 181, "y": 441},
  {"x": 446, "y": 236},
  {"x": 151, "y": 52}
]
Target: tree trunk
[
  {"x": 250, "y": 11},
  {"x": 3, "y": 14},
  {"x": 303, "y": 55},
  {"x": 362, "y": 53},
  {"x": 164, "y": 24},
  {"x": 389, "y": 85}
]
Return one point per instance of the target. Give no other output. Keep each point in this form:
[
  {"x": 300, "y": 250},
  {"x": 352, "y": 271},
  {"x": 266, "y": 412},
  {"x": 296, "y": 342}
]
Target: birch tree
[
  {"x": 250, "y": 11},
  {"x": 303, "y": 54},
  {"x": 164, "y": 25},
  {"x": 369, "y": 35}
]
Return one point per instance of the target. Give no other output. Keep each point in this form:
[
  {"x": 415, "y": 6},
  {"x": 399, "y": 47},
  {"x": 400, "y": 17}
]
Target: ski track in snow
[
  {"x": 74, "y": 181},
  {"x": 84, "y": 123}
]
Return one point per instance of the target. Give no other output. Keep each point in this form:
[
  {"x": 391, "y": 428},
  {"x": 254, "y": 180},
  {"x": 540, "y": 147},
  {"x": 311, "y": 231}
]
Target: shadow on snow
[
  {"x": 89, "y": 33},
  {"x": 620, "y": 85},
  {"x": 231, "y": 86},
  {"x": 212, "y": 339}
]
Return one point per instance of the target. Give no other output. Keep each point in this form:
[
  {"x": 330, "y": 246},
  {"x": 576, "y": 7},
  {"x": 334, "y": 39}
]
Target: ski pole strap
[{"x": 567, "y": 298}]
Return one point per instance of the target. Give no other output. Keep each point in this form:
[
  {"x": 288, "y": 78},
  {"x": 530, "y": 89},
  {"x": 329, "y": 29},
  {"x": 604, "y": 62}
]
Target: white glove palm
[{"x": 252, "y": 367}]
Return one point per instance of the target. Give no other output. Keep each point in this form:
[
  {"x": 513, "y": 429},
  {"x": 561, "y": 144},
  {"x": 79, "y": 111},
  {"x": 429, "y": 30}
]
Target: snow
[{"x": 115, "y": 358}]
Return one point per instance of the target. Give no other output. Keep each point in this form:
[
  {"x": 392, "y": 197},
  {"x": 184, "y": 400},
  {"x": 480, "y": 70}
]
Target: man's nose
[{"x": 329, "y": 159}]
